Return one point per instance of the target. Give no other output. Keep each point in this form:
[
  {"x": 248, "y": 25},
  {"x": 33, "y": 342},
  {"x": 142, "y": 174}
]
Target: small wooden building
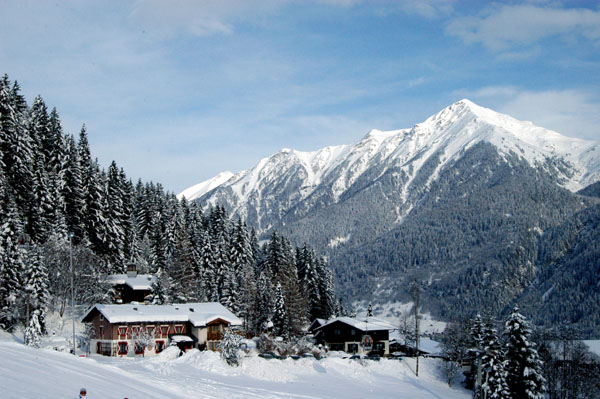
[
  {"x": 131, "y": 287},
  {"x": 131, "y": 329},
  {"x": 348, "y": 334}
]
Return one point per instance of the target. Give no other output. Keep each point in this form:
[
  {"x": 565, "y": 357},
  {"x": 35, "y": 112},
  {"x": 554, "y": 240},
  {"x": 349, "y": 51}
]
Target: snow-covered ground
[{"x": 35, "y": 373}]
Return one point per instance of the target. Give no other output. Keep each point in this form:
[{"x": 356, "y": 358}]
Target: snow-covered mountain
[
  {"x": 480, "y": 206},
  {"x": 280, "y": 183}
]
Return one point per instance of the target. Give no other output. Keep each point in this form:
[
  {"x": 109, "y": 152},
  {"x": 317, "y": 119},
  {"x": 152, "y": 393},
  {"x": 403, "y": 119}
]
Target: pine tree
[
  {"x": 36, "y": 287},
  {"x": 264, "y": 304},
  {"x": 494, "y": 384},
  {"x": 230, "y": 347},
  {"x": 34, "y": 330},
  {"x": 73, "y": 191},
  {"x": 477, "y": 341},
  {"x": 308, "y": 271},
  {"x": 525, "y": 379},
  {"x": 280, "y": 316},
  {"x": 160, "y": 288},
  {"x": 11, "y": 266},
  {"x": 17, "y": 146}
]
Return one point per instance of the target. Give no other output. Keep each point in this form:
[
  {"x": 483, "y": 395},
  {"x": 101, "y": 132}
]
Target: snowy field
[{"x": 42, "y": 373}]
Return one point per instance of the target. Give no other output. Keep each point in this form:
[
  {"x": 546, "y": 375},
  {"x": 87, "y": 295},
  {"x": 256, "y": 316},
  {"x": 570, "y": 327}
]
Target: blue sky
[{"x": 178, "y": 91}]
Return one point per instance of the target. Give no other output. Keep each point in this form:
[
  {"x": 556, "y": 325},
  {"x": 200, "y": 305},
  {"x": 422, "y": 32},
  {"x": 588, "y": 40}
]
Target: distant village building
[
  {"x": 131, "y": 329},
  {"x": 347, "y": 334},
  {"x": 131, "y": 287}
]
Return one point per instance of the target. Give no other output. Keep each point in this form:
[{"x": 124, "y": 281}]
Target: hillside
[{"x": 205, "y": 375}]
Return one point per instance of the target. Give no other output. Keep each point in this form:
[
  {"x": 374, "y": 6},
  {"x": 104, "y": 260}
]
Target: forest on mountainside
[
  {"x": 489, "y": 233},
  {"x": 56, "y": 200}
]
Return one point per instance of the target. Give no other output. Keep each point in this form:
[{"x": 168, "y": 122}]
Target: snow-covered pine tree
[
  {"x": 280, "y": 316},
  {"x": 265, "y": 292},
  {"x": 36, "y": 292},
  {"x": 229, "y": 295},
  {"x": 477, "y": 342},
  {"x": 73, "y": 191},
  {"x": 33, "y": 331},
  {"x": 11, "y": 266},
  {"x": 524, "y": 367},
  {"x": 494, "y": 384},
  {"x": 208, "y": 275},
  {"x": 17, "y": 146},
  {"x": 160, "y": 287},
  {"x": 42, "y": 205},
  {"x": 230, "y": 347},
  {"x": 327, "y": 288},
  {"x": 292, "y": 291},
  {"x": 115, "y": 218},
  {"x": 308, "y": 271}
]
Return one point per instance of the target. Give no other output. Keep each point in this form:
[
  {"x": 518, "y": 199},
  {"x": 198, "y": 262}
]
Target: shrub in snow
[
  {"x": 267, "y": 343},
  {"x": 230, "y": 347},
  {"x": 33, "y": 332}
]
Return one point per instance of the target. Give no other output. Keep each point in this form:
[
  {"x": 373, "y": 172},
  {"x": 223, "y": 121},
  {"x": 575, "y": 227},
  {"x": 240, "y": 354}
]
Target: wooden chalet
[
  {"x": 131, "y": 287},
  {"x": 131, "y": 329},
  {"x": 347, "y": 334}
]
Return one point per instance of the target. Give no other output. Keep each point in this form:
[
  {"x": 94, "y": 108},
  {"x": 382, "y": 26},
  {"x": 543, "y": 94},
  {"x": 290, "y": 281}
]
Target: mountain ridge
[{"x": 449, "y": 133}]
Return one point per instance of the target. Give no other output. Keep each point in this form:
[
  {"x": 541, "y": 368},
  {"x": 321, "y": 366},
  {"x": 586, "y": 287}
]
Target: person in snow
[{"x": 82, "y": 393}]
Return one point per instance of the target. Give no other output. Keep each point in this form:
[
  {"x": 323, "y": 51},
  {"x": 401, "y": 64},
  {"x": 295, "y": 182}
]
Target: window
[
  {"x": 135, "y": 331},
  {"x": 101, "y": 317},
  {"x": 122, "y": 331},
  {"x": 106, "y": 349},
  {"x": 164, "y": 330},
  {"x": 337, "y": 332},
  {"x": 179, "y": 330},
  {"x": 150, "y": 330},
  {"x": 353, "y": 332},
  {"x": 160, "y": 346},
  {"x": 139, "y": 348},
  {"x": 101, "y": 331},
  {"x": 123, "y": 348}
]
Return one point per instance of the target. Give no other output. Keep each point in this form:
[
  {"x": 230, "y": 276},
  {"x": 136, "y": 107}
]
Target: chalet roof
[
  {"x": 199, "y": 314},
  {"x": 138, "y": 282},
  {"x": 362, "y": 324}
]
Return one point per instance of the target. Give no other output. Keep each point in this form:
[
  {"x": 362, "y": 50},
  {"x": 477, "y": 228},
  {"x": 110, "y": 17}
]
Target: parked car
[
  {"x": 358, "y": 357},
  {"x": 308, "y": 355},
  {"x": 268, "y": 355}
]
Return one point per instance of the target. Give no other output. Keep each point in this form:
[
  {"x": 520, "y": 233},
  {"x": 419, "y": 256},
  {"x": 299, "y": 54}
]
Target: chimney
[{"x": 131, "y": 270}]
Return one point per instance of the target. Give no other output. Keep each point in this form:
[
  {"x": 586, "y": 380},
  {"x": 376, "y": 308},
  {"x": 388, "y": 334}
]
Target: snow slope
[
  {"x": 278, "y": 183},
  {"x": 40, "y": 373},
  {"x": 200, "y": 189}
]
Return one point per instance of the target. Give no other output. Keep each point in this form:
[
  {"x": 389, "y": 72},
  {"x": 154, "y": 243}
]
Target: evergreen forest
[{"x": 58, "y": 204}]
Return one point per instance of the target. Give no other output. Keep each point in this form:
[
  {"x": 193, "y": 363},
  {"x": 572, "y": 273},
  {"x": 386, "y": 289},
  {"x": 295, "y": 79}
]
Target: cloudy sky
[{"x": 177, "y": 91}]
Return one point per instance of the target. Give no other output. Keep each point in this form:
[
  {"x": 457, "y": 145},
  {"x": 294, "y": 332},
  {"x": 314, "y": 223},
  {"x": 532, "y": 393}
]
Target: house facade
[
  {"x": 146, "y": 330},
  {"x": 348, "y": 335}
]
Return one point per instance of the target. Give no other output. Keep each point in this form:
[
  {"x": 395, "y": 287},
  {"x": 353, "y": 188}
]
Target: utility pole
[
  {"x": 72, "y": 289},
  {"x": 416, "y": 294}
]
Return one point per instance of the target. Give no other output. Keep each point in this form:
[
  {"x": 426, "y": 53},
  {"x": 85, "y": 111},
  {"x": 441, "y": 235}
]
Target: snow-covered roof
[
  {"x": 181, "y": 338},
  {"x": 362, "y": 324},
  {"x": 199, "y": 314},
  {"x": 138, "y": 282}
]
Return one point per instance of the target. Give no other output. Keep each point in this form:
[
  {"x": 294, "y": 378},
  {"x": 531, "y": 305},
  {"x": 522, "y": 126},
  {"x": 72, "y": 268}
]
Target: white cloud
[
  {"x": 501, "y": 28},
  {"x": 570, "y": 112},
  {"x": 199, "y": 18},
  {"x": 426, "y": 8}
]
